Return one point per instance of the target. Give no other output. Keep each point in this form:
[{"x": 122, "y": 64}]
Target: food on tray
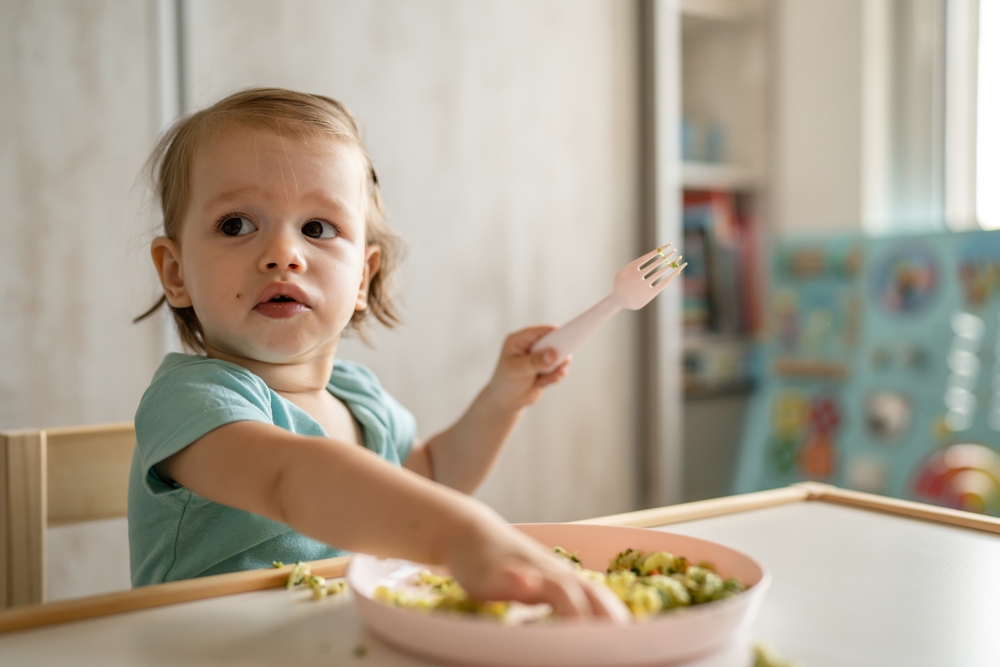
[
  {"x": 764, "y": 656},
  {"x": 647, "y": 583},
  {"x": 301, "y": 575},
  {"x": 436, "y": 591},
  {"x": 658, "y": 581}
]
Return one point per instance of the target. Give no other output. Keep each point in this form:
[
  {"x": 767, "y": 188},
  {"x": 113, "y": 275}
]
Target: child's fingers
[
  {"x": 520, "y": 342},
  {"x": 530, "y": 586},
  {"x": 575, "y": 596},
  {"x": 567, "y": 597},
  {"x": 526, "y": 364},
  {"x": 543, "y": 359},
  {"x": 606, "y": 604},
  {"x": 556, "y": 374},
  {"x": 522, "y": 584}
]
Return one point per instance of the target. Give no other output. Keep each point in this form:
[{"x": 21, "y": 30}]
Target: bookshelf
[
  {"x": 713, "y": 176},
  {"x": 723, "y": 146},
  {"x": 723, "y": 180}
]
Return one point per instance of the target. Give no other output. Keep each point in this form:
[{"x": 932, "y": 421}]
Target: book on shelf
[{"x": 721, "y": 293}]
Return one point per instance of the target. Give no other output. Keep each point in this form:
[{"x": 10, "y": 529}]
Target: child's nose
[
  {"x": 282, "y": 253},
  {"x": 274, "y": 265}
]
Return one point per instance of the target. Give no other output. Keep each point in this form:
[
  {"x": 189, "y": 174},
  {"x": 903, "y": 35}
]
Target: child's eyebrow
[
  {"x": 318, "y": 197},
  {"x": 229, "y": 195},
  {"x": 325, "y": 201}
]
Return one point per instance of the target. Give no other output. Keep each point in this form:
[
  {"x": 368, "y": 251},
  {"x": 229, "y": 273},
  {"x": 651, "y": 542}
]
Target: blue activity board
[{"x": 881, "y": 369}]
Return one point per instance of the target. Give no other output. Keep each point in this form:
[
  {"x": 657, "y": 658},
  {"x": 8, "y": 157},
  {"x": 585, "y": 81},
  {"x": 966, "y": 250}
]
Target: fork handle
[{"x": 571, "y": 335}]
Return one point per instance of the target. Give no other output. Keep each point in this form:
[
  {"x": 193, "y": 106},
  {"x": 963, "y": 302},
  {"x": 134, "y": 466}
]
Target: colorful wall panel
[{"x": 881, "y": 369}]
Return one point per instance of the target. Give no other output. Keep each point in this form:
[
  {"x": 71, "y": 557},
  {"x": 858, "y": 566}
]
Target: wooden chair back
[{"x": 54, "y": 477}]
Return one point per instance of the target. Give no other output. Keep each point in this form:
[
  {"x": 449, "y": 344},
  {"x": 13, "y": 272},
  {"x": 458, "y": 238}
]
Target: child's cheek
[{"x": 213, "y": 293}]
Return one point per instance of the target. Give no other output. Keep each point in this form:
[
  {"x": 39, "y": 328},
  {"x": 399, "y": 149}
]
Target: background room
[{"x": 526, "y": 151}]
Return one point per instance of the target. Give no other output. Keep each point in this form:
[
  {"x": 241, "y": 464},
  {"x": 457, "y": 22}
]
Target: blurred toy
[
  {"x": 962, "y": 476},
  {"x": 882, "y": 354}
]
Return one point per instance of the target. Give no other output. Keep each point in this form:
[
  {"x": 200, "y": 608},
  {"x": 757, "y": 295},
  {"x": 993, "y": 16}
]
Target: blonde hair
[{"x": 285, "y": 111}]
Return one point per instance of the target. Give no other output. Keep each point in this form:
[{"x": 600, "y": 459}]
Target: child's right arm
[{"x": 343, "y": 494}]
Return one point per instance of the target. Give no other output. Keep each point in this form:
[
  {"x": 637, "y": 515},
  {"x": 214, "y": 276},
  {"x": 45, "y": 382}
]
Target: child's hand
[
  {"x": 461, "y": 455},
  {"x": 518, "y": 380},
  {"x": 497, "y": 562}
]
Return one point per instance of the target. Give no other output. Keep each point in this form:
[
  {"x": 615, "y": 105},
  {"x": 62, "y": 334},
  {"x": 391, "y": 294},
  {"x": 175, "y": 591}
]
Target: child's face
[{"x": 271, "y": 252}]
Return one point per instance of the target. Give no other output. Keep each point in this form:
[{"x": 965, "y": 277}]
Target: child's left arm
[{"x": 462, "y": 455}]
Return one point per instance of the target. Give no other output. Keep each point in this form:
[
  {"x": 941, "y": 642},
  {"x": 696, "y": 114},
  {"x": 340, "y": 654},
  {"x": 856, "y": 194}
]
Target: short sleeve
[
  {"x": 403, "y": 429},
  {"x": 189, "y": 397},
  {"x": 390, "y": 429}
]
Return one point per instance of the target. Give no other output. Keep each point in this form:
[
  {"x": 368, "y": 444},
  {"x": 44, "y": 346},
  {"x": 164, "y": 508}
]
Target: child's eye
[
  {"x": 237, "y": 225},
  {"x": 319, "y": 229}
]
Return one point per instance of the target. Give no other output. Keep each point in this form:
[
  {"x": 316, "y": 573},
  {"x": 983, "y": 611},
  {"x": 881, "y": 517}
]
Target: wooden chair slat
[
  {"x": 26, "y": 517},
  {"x": 88, "y": 474},
  {"x": 55, "y": 477}
]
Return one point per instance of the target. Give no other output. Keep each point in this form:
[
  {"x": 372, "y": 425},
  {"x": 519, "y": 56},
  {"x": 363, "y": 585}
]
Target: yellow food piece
[
  {"x": 571, "y": 557},
  {"x": 301, "y": 575},
  {"x": 298, "y": 575},
  {"x": 764, "y": 656},
  {"x": 443, "y": 593},
  {"x": 626, "y": 560},
  {"x": 672, "y": 592},
  {"x": 659, "y": 562}
]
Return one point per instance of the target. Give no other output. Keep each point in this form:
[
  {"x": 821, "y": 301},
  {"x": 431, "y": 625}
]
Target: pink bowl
[{"x": 675, "y": 636}]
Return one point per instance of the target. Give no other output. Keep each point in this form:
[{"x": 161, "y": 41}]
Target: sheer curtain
[{"x": 988, "y": 117}]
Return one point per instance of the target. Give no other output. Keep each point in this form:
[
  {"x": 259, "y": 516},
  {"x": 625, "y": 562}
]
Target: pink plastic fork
[{"x": 635, "y": 286}]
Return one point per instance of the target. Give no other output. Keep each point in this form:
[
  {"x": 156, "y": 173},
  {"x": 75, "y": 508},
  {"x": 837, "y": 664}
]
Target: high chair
[{"x": 55, "y": 477}]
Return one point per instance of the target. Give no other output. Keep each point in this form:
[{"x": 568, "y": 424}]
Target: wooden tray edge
[
  {"x": 703, "y": 509},
  {"x": 21, "y": 618},
  {"x": 907, "y": 508}
]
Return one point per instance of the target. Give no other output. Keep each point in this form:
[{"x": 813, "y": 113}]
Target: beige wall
[
  {"x": 77, "y": 104},
  {"x": 505, "y": 135},
  {"x": 505, "y": 138},
  {"x": 817, "y": 124}
]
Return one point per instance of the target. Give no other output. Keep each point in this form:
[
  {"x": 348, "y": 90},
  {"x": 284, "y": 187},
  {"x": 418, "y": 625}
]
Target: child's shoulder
[
  {"x": 176, "y": 365},
  {"x": 194, "y": 373}
]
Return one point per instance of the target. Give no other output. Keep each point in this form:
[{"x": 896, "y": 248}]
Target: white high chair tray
[{"x": 879, "y": 583}]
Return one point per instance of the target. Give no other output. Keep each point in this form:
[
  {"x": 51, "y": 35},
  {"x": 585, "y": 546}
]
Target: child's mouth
[{"x": 280, "y": 307}]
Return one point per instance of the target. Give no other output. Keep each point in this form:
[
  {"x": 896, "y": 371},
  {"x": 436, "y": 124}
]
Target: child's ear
[
  {"x": 167, "y": 258},
  {"x": 373, "y": 259}
]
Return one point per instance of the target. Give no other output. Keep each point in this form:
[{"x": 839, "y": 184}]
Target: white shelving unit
[
  {"x": 721, "y": 10},
  {"x": 713, "y": 176},
  {"x": 702, "y": 58},
  {"x": 724, "y": 90}
]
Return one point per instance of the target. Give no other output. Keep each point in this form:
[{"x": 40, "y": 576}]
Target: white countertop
[
  {"x": 851, "y": 588},
  {"x": 856, "y": 588}
]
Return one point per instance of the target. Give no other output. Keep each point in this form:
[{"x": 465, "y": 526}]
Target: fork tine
[
  {"x": 648, "y": 258},
  {"x": 656, "y": 271},
  {"x": 653, "y": 269},
  {"x": 662, "y": 281},
  {"x": 663, "y": 252},
  {"x": 669, "y": 263}
]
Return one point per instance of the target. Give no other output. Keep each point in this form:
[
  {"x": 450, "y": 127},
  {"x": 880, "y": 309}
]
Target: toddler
[{"x": 263, "y": 446}]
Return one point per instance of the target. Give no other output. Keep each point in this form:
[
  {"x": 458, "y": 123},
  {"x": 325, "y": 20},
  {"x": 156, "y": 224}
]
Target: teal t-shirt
[{"x": 177, "y": 534}]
